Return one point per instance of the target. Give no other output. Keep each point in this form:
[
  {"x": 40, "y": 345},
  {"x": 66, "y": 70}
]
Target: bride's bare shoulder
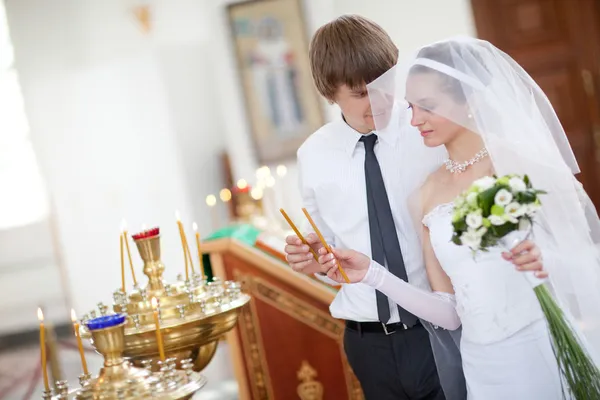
[
  {"x": 432, "y": 181},
  {"x": 430, "y": 186}
]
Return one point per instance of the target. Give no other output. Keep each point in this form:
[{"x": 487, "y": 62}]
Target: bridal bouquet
[
  {"x": 500, "y": 212},
  {"x": 491, "y": 209}
]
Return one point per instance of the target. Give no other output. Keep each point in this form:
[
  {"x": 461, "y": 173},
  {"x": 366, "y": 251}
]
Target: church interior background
[{"x": 119, "y": 116}]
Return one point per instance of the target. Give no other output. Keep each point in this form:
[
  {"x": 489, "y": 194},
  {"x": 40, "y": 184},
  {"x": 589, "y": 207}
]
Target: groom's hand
[
  {"x": 300, "y": 258},
  {"x": 527, "y": 256}
]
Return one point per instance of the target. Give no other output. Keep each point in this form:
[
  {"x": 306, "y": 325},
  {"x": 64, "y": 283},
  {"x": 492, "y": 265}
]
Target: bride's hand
[
  {"x": 354, "y": 263},
  {"x": 526, "y": 256}
]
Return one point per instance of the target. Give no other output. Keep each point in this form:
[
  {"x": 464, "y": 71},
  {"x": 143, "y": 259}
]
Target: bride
[{"x": 476, "y": 108}]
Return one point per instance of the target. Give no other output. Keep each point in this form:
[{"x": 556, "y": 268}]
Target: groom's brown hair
[{"x": 350, "y": 50}]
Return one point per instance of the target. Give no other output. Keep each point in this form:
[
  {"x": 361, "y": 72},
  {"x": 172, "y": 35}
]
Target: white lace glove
[{"x": 436, "y": 307}]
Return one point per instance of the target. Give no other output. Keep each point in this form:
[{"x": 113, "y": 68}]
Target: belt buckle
[{"x": 387, "y": 333}]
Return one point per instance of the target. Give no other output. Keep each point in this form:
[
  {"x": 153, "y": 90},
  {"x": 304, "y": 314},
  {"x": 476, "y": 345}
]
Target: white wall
[
  {"x": 410, "y": 23},
  {"x": 183, "y": 46},
  {"x": 123, "y": 126},
  {"x": 29, "y": 277}
]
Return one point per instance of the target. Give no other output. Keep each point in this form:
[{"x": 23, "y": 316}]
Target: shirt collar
[{"x": 351, "y": 137}]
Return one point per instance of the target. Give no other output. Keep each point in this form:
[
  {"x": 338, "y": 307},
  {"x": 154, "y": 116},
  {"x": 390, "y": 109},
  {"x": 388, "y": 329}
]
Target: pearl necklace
[{"x": 458, "y": 168}]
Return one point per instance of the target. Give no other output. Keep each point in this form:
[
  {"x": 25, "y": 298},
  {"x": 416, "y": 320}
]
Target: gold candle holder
[
  {"x": 149, "y": 248},
  {"x": 194, "y": 314},
  {"x": 118, "y": 379}
]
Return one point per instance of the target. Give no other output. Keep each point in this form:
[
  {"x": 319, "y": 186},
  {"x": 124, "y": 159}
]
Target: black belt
[{"x": 378, "y": 327}]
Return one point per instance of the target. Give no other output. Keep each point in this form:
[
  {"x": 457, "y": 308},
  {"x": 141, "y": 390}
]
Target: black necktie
[{"x": 384, "y": 238}]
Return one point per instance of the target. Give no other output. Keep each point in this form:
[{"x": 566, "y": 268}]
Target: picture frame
[{"x": 271, "y": 48}]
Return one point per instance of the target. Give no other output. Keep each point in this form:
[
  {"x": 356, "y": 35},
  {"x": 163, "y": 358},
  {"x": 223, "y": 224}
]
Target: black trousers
[{"x": 399, "y": 366}]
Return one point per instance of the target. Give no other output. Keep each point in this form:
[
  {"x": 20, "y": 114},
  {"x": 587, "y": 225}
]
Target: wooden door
[{"x": 558, "y": 43}]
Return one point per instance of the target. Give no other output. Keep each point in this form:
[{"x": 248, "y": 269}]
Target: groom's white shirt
[{"x": 332, "y": 183}]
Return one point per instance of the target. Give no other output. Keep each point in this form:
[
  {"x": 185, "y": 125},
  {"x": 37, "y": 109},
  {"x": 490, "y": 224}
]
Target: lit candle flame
[
  {"x": 281, "y": 170},
  {"x": 242, "y": 184},
  {"x": 225, "y": 195},
  {"x": 79, "y": 344},
  {"x": 195, "y": 227},
  {"x": 211, "y": 200},
  {"x": 154, "y": 303},
  {"x": 123, "y": 225},
  {"x": 270, "y": 182},
  {"x": 40, "y": 316},
  {"x": 263, "y": 172},
  {"x": 256, "y": 193},
  {"x": 177, "y": 217}
]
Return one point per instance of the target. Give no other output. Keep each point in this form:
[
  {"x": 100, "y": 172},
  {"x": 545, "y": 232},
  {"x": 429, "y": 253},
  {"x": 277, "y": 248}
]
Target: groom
[{"x": 388, "y": 348}]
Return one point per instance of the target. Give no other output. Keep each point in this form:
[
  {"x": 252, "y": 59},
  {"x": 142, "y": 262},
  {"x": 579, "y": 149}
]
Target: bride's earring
[{"x": 470, "y": 116}]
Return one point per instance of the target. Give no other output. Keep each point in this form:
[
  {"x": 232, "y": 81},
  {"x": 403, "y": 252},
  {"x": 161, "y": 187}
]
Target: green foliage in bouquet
[
  {"x": 492, "y": 208},
  {"x": 486, "y": 213}
]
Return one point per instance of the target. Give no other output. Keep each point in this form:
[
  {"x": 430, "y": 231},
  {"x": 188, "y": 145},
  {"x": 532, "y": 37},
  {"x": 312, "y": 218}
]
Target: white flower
[
  {"x": 459, "y": 202},
  {"x": 496, "y": 220},
  {"x": 474, "y": 220},
  {"x": 503, "y": 197},
  {"x": 484, "y": 183},
  {"x": 471, "y": 238},
  {"x": 517, "y": 184},
  {"x": 514, "y": 209},
  {"x": 472, "y": 199}
]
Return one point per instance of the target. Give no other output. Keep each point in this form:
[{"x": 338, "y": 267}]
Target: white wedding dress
[{"x": 506, "y": 348}]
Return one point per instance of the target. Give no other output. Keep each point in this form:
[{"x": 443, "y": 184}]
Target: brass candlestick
[
  {"x": 193, "y": 314},
  {"x": 149, "y": 248},
  {"x": 118, "y": 379}
]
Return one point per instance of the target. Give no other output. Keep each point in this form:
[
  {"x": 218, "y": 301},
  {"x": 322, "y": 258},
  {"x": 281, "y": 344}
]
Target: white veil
[{"x": 487, "y": 92}]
